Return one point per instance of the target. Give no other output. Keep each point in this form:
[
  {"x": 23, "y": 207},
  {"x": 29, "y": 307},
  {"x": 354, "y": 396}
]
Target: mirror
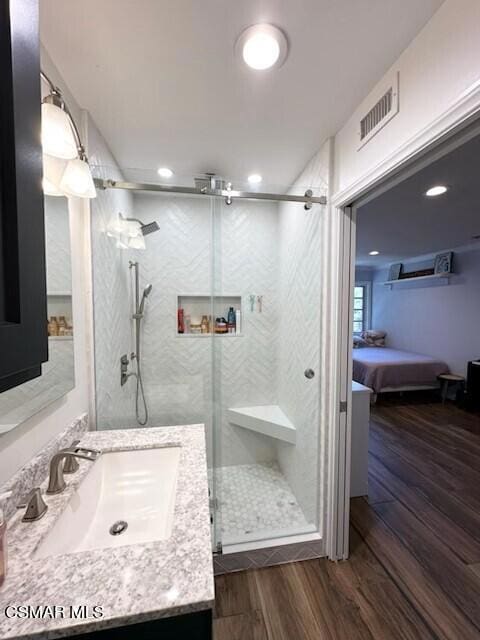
[{"x": 58, "y": 374}]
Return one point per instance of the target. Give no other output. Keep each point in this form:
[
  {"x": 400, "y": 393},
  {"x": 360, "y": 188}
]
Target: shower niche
[{"x": 202, "y": 315}]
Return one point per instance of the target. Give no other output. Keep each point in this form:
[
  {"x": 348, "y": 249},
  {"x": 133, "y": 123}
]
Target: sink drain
[{"x": 118, "y": 527}]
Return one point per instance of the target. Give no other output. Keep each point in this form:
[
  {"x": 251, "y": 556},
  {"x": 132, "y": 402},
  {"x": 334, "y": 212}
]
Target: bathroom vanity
[{"x": 124, "y": 550}]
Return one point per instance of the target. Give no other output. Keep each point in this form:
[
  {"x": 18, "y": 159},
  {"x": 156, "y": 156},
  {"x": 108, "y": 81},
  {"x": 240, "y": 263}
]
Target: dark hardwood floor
[{"x": 414, "y": 567}]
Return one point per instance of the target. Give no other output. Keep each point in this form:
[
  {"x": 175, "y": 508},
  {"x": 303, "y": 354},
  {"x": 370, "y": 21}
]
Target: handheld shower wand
[
  {"x": 138, "y": 317},
  {"x": 146, "y": 292}
]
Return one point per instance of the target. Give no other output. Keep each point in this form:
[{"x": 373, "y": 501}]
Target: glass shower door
[
  {"x": 230, "y": 337},
  {"x": 266, "y": 369}
]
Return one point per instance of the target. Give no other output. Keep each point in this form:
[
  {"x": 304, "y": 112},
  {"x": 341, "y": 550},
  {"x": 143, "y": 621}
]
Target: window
[{"x": 361, "y": 307}]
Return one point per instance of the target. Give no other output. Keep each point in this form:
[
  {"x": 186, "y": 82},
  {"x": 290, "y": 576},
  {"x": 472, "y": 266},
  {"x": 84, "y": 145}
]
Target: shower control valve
[{"x": 124, "y": 375}]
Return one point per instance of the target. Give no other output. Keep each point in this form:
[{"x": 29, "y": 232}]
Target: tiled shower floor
[{"x": 254, "y": 498}]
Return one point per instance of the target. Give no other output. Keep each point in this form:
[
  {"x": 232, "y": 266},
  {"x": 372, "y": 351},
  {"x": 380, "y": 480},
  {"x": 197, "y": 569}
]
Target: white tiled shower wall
[
  {"x": 178, "y": 373},
  {"x": 58, "y": 375},
  {"x": 111, "y": 292},
  {"x": 57, "y": 241}
]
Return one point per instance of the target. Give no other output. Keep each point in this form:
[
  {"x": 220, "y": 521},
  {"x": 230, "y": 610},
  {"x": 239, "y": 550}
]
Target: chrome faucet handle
[
  {"x": 56, "y": 483},
  {"x": 86, "y": 453},
  {"x": 35, "y": 506},
  {"x": 71, "y": 464}
]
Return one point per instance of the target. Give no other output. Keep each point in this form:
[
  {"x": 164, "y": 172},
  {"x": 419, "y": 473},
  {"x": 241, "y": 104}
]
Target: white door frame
[{"x": 339, "y": 264}]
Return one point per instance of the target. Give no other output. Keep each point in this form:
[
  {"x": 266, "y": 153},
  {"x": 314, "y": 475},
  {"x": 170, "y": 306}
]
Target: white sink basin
[{"x": 136, "y": 487}]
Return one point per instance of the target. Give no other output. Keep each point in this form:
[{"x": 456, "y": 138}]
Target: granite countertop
[{"x": 132, "y": 583}]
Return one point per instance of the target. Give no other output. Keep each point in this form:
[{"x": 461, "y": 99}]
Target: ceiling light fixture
[
  {"x": 255, "y": 178},
  {"x": 165, "y": 172},
  {"x": 262, "y": 46},
  {"x": 436, "y": 191},
  {"x": 65, "y": 165},
  {"x": 374, "y": 253}
]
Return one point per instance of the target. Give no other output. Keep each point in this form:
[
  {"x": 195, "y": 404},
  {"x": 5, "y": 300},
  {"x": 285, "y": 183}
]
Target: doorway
[{"x": 413, "y": 350}]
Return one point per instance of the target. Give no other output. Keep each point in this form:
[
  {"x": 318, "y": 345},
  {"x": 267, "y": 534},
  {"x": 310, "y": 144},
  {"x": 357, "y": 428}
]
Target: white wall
[
  {"x": 435, "y": 319},
  {"x": 363, "y": 274},
  {"x": 440, "y": 65},
  {"x": 20, "y": 444}
]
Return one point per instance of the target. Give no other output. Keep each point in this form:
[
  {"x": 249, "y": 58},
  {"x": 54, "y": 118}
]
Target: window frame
[{"x": 367, "y": 305}]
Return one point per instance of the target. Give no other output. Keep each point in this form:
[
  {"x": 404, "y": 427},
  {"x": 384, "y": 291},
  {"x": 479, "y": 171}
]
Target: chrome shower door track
[{"x": 308, "y": 199}]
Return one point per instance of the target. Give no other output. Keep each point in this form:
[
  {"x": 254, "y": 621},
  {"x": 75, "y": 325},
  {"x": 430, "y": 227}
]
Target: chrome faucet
[
  {"x": 71, "y": 463},
  {"x": 56, "y": 483}
]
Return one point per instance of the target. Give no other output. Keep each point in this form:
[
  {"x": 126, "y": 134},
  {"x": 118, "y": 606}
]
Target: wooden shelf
[
  {"x": 59, "y": 294},
  {"x": 433, "y": 276}
]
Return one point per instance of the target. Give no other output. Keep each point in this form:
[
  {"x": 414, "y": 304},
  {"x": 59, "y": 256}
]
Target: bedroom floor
[
  {"x": 422, "y": 516},
  {"x": 414, "y": 568}
]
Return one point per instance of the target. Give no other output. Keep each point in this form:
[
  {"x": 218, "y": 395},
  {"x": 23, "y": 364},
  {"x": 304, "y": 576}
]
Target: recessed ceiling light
[
  {"x": 436, "y": 191},
  {"x": 255, "y": 178},
  {"x": 374, "y": 253},
  {"x": 262, "y": 46},
  {"x": 165, "y": 172}
]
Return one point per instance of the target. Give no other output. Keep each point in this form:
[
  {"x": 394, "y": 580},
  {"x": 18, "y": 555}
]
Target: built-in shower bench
[{"x": 269, "y": 420}]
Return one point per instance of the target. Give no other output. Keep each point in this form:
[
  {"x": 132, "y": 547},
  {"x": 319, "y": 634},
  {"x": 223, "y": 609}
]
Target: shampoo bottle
[
  {"x": 231, "y": 320},
  {"x": 238, "y": 321},
  {"x": 181, "y": 321},
  {"x": 3, "y": 538}
]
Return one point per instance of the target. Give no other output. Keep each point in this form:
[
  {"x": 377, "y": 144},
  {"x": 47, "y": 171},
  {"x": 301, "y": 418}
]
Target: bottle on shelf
[
  {"x": 205, "y": 326},
  {"x": 238, "y": 321},
  {"x": 181, "y": 321},
  {"x": 221, "y": 325},
  {"x": 231, "y": 320},
  {"x": 62, "y": 326},
  {"x": 53, "y": 326}
]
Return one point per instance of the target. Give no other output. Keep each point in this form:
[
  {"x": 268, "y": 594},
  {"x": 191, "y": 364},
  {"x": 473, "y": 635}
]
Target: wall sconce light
[{"x": 66, "y": 171}]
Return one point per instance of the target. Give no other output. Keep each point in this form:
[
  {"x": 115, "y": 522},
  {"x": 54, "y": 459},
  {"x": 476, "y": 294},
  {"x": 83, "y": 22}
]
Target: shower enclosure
[{"x": 256, "y": 385}]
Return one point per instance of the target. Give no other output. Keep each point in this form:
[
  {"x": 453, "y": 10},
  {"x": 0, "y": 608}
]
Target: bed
[{"x": 383, "y": 369}]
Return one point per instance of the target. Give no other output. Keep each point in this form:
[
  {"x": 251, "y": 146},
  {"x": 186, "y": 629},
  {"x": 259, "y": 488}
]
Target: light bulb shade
[
  {"x": 77, "y": 180},
  {"x": 57, "y": 135},
  {"x": 115, "y": 226},
  {"x": 137, "y": 243},
  {"x": 53, "y": 169},
  {"x": 49, "y": 189},
  {"x": 122, "y": 242},
  {"x": 131, "y": 228}
]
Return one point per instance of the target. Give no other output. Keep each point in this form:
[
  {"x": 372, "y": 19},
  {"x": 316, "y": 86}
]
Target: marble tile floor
[{"x": 254, "y": 498}]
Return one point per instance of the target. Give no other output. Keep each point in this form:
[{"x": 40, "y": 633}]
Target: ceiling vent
[{"x": 381, "y": 112}]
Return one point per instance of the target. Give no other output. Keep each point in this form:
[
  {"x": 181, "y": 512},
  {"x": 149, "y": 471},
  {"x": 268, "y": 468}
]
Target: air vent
[
  {"x": 376, "y": 115},
  {"x": 381, "y": 112}
]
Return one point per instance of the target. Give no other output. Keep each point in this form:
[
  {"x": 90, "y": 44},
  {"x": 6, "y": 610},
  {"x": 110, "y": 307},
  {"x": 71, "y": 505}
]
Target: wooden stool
[{"x": 445, "y": 380}]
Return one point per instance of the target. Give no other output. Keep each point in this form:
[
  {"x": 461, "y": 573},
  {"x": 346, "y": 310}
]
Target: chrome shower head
[{"x": 148, "y": 228}]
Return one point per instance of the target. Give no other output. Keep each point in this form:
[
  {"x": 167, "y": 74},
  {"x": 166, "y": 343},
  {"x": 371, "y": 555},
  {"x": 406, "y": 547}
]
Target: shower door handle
[{"x": 309, "y": 373}]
